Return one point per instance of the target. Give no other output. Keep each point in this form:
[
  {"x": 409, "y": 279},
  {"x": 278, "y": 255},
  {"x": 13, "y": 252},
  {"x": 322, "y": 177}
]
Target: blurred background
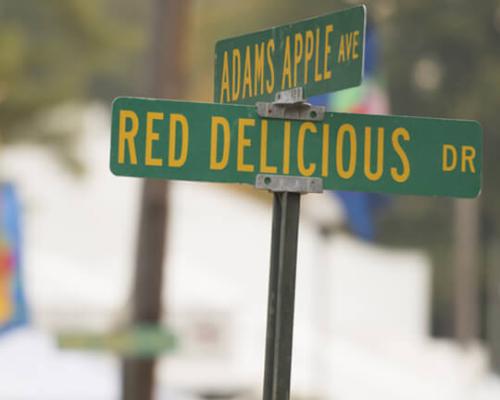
[{"x": 398, "y": 297}]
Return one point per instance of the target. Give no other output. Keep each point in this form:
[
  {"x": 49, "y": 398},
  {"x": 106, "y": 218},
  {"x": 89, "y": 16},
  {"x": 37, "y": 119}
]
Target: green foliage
[
  {"x": 55, "y": 50},
  {"x": 461, "y": 39}
]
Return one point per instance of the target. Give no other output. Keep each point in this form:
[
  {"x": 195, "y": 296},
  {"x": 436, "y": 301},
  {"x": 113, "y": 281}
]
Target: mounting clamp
[
  {"x": 293, "y": 184},
  {"x": 290, "y": 104}
]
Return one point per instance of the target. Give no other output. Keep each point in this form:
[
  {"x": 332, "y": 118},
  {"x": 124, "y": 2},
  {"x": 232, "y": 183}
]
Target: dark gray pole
[
  {"x": 281, "y": 297},
  {"x": 165, "y": 79}
]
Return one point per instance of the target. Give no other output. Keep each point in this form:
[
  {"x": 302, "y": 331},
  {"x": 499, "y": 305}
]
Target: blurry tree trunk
[
  {"x": 466, "y": 270},
  {"x": 165, "y": 79}
]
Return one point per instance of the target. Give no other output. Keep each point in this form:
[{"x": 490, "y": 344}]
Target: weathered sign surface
[
  {"x": 321, "y": 54},
  {"x": 231, "y": 143}
]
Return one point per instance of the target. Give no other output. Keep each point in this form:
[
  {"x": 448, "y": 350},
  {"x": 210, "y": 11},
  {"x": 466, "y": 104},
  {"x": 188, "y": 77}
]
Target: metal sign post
[
  {"x": 281, "y": 297},
  {"x": 285, "y": 228}
]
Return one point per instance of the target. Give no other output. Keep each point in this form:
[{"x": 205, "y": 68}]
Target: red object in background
[
  {"x": 12, "y": 302},
  {"x": 6, "y": 259}
]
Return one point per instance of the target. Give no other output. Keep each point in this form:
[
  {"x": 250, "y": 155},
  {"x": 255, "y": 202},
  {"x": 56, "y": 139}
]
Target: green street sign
[
  {"x": 143, "y": 341},
  {"x": 230, "y": 143},
  {"x": 321, "y": 54}
]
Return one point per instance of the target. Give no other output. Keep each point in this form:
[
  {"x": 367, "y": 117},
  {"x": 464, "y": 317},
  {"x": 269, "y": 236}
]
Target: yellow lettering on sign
[
  {"x": 341, "y": 50},
  {"x": 259, "y": 69},
  {"x": 286, "y": 147},
  {"x": 355, "y": 54},
  {"x": 224, "y": 86},
  {"x": 287, "y": 65},
  {"x": 325, "y": 150},
  {"x": 309, "y": 51},
  {"x": 217, "y": 122},
  {"x": 270, "y": 53},
  {"x": 298, "y": 50},
  {"x": 152, "y": 136},
  {"x": 126, "y": 137},
  {"x": 402, "y": 176},
  {"x": 175, "y": 120},
  {"x": 348, "y": 43},
  {"x": 243, "y": 143},
  {"x": 468, "y": 155},
  {"x": 328, "y": 50},
  {"x": 304, "y": 128},
  {"x": 236, "y": 74},
  {"x": 264, "y": 167},
  {"x": 374, "y": 176},
  {"x": 247, "y": 74},
  {"x": 449, "y": 157},
  {"x": 348, "y": 48},
  {"x": 317, "y": 76},
  {"x": 349, "y": 172}
]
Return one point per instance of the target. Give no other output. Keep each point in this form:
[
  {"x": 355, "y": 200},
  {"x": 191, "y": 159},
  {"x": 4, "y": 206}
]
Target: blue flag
[{"x": 369, "y": 98}]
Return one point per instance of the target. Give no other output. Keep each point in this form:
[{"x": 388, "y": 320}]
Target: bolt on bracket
[{"x": 284, "y": 183}]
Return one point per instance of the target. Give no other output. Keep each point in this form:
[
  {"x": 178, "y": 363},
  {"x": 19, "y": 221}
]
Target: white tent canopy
[{"x": 362, "y": 312}]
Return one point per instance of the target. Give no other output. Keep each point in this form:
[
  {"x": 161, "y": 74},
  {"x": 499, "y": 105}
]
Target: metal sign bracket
[
  {"x": 293, "y": 184},
  {"x": 291, "y": 104}
]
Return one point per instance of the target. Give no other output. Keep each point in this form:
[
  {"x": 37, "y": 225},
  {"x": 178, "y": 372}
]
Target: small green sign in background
[{"x": 143, "y": 341}]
